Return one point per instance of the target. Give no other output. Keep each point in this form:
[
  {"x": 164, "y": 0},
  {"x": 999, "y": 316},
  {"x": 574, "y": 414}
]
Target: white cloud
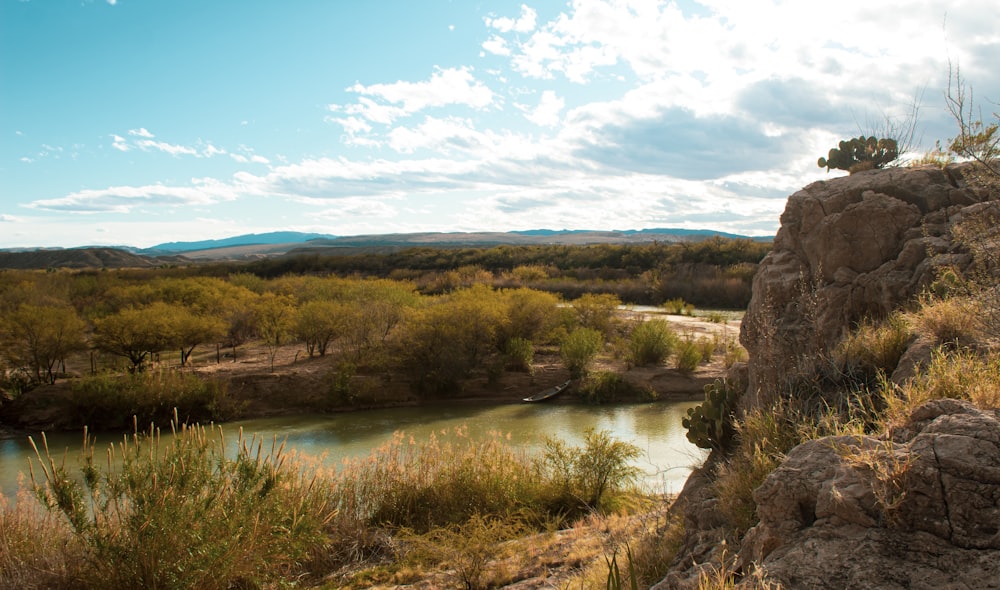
[
  {"x": 168, "y": 148},
  {"x": 525, "y": 23},
  {"x": 496, "y": 45},
  {"x": 547, "y": 112},
  {"x": 385, "y": 103},
  {"x": 123, "y": 199},
  {"x": 141, "y": 132},
  {"x": 4, "y": 218},
  {"x": 120, "y": 143}
]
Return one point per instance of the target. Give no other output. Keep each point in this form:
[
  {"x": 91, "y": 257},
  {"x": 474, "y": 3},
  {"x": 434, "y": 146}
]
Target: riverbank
[{"x": 299, "y": 384}]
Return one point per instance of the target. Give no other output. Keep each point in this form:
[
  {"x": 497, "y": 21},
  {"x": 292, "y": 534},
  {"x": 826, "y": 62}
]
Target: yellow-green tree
[
  {"x": 318, "y": 323},
  {"x": 445, "y": 341},
  {"x": 274, "y": 317},
  {"x": 191, "y": 329},
  {"x": 136, "y": 332},
  {"x": 532, "y": 315},
  {"x": 41, "y": 336},
  {"x": 597, "y": 312}
]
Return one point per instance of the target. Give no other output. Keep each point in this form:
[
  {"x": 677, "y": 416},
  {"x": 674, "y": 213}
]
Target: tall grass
[
  {"x": 180, "y": 514},
  {"x": 438, "y": 482}
]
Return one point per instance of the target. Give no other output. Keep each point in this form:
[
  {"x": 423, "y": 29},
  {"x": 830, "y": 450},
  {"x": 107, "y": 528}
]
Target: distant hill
[
  {"x": 271, "y": 238},
  {"x": 78, "y": 258},
  {"x": 267, "y": 245}
]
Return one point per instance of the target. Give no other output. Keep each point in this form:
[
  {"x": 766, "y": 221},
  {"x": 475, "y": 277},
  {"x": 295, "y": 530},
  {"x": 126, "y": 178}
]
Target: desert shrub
[
  {"x": 581, "y": 479},
  {"x": 687, "y": 356},
  {"x": 179, "y": 514},
  {"x": 597, "y": 312},
  {"x": 608, "y": 386},
  {"x": 733, "y": 353},
  {"x": 578, "y": 350},
  {"x": 650, "y": 343},
  {"x": 707, "y": 345},
  {"x": 106, "y": 401},
  {"x": 470, "y": 549}
]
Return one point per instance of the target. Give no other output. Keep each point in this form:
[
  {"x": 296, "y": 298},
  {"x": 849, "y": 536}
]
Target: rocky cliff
[
  {"x": 848, "y": 249},
  {"x": 917, "y": 509}
]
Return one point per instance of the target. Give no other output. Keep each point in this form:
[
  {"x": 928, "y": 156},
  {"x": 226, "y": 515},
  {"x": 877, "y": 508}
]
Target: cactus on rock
[
  {"x": 861, "y": 153},
  {"x": 710, "y": 425}
]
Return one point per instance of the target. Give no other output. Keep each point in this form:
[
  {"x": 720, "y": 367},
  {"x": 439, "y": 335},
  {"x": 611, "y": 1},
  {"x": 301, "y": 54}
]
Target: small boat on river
[{"x": 548, "y": 393}]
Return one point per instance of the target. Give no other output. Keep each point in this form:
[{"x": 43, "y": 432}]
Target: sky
[{"x": 139, "y": 122}]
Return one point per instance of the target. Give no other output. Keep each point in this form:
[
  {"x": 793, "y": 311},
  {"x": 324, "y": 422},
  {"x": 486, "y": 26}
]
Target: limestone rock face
[
  {"x": 849, "y": 248},
  {"x": 928, "y": 516}
]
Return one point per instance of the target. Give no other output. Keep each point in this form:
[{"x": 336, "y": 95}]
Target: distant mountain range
[{"x": 256, "y": 246}]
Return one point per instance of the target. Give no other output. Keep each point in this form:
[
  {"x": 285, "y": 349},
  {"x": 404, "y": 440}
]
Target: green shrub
[
  {"x": 651, "y": 342},
  {"x": 582, "y": 477},
  {"x": 106, "y": 401},
  {"x": 707, "y": 346},
  {"x": 688, "y": 356},
  {"x": 578, "y": 350},
  {"x": 675, "y": 306},
  {"x": 341, "y": 391},
  {"x": 607, "y": 386}
]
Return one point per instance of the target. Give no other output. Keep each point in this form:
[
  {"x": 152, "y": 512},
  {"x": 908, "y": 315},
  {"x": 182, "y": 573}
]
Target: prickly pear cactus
[
  {"x": 710, "y": 425},
  {"x": 860, "y": 153}
]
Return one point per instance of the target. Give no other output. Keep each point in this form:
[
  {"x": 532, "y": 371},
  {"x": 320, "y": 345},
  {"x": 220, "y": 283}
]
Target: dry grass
[
  {"x": 885, "y": 469},
  {"x": 37, "y": 548},
  {"x": 952, "y": 321}
]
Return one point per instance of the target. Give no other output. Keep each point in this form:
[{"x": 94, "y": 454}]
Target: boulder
[
  {"x": 850, "y": 248},
  {"x": 921, "y": 510}
]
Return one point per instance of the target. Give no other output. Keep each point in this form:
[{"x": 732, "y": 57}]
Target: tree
[
  {"x": 597, "y": 312},
  {"x": 274, "y": 316},
  {"x": 41, "y": 336},
  {"x": 318, "y": 323},
  {"x": 136, "y": 332},
  {"x": 977, "y": 140},
  {"x": 861, "y": 153},
  {"x": 191, "y": 329}
]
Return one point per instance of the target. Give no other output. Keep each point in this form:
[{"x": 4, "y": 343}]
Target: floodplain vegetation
[
  {"x": 175, "y": 510},
  {"x": 121, "y": 335}
]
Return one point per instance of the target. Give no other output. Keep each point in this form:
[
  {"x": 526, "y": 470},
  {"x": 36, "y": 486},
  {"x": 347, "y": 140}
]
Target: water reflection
[{"x": 667, "y": 456}]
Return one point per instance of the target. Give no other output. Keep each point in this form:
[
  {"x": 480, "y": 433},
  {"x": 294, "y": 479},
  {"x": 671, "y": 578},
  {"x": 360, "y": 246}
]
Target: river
[{"x": 666, "y": 460}]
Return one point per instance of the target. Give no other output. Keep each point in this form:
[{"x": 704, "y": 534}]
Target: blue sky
[{"x": 137, "y": 122}]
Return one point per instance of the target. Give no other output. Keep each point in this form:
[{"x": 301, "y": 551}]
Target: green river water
[{"x": 666, "y": 460}]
